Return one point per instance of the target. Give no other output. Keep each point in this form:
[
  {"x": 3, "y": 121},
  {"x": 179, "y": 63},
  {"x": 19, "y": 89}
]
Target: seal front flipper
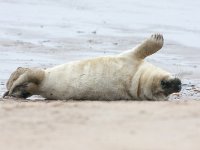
[{"x": 147, "y": 47}]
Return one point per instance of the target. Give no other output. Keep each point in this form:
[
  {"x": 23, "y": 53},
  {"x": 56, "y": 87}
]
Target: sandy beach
[
  {"x": 51, "y": 32},
  {"x": 49, "y": 125}
]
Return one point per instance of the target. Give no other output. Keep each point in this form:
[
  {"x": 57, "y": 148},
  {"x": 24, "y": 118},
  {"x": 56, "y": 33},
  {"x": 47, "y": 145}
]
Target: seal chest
[{"x": 96, "y": 79}]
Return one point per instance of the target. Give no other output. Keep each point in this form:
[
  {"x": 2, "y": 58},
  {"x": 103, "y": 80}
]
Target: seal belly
[{"x": 90, "y": 79}]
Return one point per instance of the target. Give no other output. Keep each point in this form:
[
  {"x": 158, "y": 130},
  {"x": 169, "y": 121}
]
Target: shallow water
[{"x": 51, "y": 19}]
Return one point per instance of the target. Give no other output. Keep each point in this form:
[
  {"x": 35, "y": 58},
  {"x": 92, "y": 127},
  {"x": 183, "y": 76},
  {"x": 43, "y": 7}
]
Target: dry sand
[{"x": 88, "y": 125}]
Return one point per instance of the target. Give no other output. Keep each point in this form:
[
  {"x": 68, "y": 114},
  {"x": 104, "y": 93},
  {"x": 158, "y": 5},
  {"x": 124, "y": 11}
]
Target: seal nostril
[{"x": 178, "y": 88}]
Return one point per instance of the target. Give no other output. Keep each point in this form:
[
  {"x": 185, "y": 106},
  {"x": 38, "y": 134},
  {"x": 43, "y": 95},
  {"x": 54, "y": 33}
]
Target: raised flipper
[{"x": 147, "y": 47}]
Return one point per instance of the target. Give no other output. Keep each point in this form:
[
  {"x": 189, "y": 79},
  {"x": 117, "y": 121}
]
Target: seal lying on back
[{"x": 121, "y": 77}]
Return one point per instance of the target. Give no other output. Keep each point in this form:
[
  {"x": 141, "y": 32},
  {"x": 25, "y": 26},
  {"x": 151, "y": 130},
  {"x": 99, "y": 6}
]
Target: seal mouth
[{"x": 171, "y": 86}]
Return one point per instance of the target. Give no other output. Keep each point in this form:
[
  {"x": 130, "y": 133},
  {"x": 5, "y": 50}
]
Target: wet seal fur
[{"x": 122, "y": 77}]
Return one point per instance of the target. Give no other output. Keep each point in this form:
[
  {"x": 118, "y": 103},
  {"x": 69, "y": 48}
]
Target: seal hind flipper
[
  {"x": 15, "y": 75},
  {"x": 29, "y": 76},
  {"x": 5, "y": 94}
]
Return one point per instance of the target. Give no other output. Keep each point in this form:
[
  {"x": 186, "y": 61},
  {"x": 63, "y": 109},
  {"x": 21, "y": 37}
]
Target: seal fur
[{"x": 121, "y": 77}]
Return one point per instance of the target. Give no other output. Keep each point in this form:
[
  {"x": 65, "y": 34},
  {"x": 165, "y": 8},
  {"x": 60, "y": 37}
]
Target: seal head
[{"x": 171, "y": 86}]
